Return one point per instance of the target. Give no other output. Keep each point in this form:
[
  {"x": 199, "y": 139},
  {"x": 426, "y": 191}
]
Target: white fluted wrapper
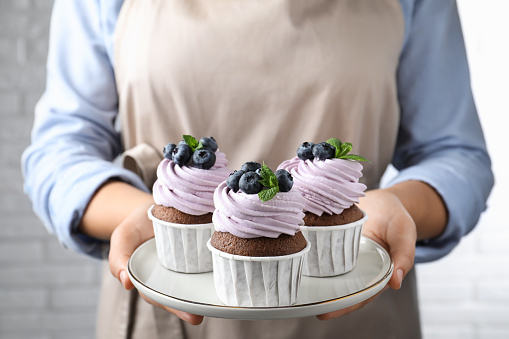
[
  {"x": 257, "y": 281},
  {"x": 183, "y": 247},
  {"x": 334, "y": 249}
]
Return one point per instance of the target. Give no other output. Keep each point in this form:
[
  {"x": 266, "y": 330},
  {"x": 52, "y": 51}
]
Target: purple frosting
[
  {"x": 189, "y": 189},
  {"x": 246, "y": 216},
  {"x": 329, "y": 186}
]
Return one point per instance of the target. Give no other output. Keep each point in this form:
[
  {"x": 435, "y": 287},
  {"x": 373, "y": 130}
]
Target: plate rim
[{"x": 160, "y": 294}]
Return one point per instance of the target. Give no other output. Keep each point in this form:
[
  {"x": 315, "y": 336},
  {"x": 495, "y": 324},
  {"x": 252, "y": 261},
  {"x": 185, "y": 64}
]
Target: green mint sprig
[
  {"x": 342, "y": 150},
  {"x": 269, "y": 180},
  {"x": 192, "y": 142}
]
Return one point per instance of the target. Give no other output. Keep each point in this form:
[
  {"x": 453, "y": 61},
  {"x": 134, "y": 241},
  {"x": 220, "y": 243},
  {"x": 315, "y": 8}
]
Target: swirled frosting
[
  {"x": 189, "y": 189},
  {"x": 246, "y": 216},
  {"x": 329, "y": 186}
]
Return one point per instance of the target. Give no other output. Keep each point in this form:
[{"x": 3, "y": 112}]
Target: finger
[
  {"x": 122, "y": 246},
  {"x": 130, "y": 234},
  {"x": 190, "y": 318},
  {"x": 353, "y": 308},
  {"x": 402, "y": 251}
]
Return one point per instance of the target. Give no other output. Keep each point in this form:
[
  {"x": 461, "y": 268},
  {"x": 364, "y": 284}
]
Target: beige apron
[{"x": 261, "y": 76}]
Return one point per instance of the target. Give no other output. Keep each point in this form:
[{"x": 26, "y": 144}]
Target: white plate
[{"x": 195, "y": 293}]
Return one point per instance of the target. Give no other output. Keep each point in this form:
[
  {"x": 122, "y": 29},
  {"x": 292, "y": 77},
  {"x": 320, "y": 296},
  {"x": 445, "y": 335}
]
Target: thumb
[
  {"x": 131, "y": 233},
  {"x": 121, "y": 247},
  {"x": 402, "y": 251}
]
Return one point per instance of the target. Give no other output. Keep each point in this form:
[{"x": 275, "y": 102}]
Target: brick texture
[
  {"x": 465, "y": 295},
  {"x": 47, "y": 292}
]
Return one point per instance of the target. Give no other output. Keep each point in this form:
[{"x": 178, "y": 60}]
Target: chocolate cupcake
[
  {"x": 328, "y": 178},
  {"x": 257, "y": 245},
  {"x": 183, "y": 196}
]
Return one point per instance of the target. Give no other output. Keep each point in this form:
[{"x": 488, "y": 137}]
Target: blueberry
[
  {"x": 251, "y": 166},
  {"x": 324, "y": 151},
  {"x": 182, "y": 154},
  {"x": 250, "y": 183},
  {"x": 284, "y": 179},
  {"x": 305, "y": 151},
  {"x": 210, "y": 143},
  {"x": 233, "y": 180},
  {"x": 204, "y": 158},
  {"x": 168, "y": 150}
]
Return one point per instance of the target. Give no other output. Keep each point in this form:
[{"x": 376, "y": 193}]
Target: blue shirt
[{"x": 74, "y": 139}]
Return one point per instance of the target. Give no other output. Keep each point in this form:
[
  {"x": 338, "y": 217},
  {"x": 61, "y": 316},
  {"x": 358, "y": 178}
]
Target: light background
[
  {"x": 48, "y": 292},
  {"x": 466, "y": 294}
]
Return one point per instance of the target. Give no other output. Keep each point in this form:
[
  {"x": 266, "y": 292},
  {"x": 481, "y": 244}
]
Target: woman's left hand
[{"x": 390, "y": 225}]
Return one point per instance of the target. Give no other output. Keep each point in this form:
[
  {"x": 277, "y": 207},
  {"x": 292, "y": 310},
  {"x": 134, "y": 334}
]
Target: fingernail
[
  {"x": 400, "y": 276},
  {"x": 123, "y": 277}
]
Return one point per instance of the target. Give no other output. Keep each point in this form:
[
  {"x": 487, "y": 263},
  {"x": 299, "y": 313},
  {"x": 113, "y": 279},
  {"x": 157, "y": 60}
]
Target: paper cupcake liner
[
  {"x": 334, "y": 249},
  {"x": 257, "y": 281},
  {"x": 182, "y": 247}
]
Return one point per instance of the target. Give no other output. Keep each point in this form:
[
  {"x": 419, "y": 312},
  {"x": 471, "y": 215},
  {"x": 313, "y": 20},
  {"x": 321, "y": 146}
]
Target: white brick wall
[
  {"x": 47, "y": 292},
  {"x": 466, "y": 294}
]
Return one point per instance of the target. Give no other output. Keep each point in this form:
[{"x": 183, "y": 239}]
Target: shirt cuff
[
  {"x": 463, "y": 210},
  {"x": 78, "y": 192}
]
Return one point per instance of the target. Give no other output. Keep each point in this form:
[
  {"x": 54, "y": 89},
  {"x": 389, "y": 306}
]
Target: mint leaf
[
  {"x": 345, "y": 149},
  {"x": 336, "y": 143},
  {"x": 266, "y": 195},
  {"x": 200, "y": 146},
  {"x": 269, "y": 179},
  {"x": 192, "y": 142},
  {"x": 354, "y": 157},
  {"x": 342, "y": 150}
]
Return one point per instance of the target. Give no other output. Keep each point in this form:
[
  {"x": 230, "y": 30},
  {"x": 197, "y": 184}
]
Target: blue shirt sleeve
[
  {"x": 440, "y": 140},
  {"x": 74, "y": 139}
]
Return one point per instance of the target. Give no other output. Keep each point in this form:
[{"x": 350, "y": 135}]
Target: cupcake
[
  {"x": 183, "y": 195},
  {"x": 328, "y": 178},
  {"x": 257, "y": 247}
]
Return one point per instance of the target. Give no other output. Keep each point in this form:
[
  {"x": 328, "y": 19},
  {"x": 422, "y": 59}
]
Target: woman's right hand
[{"x": 127, "y": 236}]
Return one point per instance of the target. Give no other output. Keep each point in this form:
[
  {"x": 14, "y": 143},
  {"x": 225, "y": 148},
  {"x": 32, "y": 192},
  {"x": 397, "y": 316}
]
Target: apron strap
[{"x": 143, "y": 160}]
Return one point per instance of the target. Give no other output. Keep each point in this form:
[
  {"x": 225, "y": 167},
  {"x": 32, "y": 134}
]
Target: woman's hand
[
  {"x": 118, "y": 212},
  {"x": 390, "y": 225},
  {"x": 397, "y": 217},
  {"x": 131, "y": 233}
]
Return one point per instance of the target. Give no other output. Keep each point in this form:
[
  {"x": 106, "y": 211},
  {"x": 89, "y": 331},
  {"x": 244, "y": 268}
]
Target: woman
[{"x": 389, "y": 76}]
